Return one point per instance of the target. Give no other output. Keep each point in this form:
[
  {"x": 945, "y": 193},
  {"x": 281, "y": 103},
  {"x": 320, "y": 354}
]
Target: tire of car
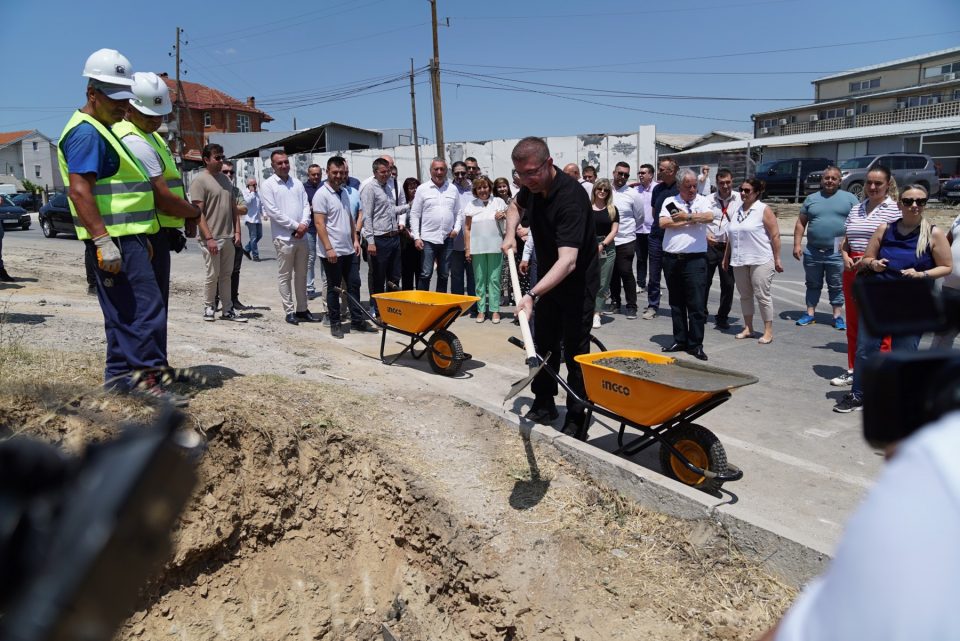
[
  {"x": 856, "y": 189},
  {"x": 25, "y": 226},
  {"x": 47, "y": 228}
]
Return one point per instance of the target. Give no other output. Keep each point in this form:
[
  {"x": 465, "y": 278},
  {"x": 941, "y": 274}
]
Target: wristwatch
[{"x": 534, "y": 297}]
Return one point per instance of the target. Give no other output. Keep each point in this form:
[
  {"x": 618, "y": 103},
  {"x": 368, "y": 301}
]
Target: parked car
[
  {"x": 30, "y": 202},
  {"x": 13, "y": 216},
  {"x": 55, "y": 217},
  {"x": 907, "y": 169},
  {"x": 950, "y": 193},
  {"x": 781, "y": 175}
]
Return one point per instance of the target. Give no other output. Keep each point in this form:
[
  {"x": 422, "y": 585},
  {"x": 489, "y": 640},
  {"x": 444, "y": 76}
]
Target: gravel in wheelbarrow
[{"x": 694, "y": 377}]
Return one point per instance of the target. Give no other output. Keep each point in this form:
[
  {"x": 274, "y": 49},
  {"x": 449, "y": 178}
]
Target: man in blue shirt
[{"x": 823, "y": 215}]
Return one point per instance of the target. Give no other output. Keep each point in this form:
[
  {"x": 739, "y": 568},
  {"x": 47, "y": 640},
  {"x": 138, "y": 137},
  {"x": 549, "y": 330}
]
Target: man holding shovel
[{"x": 562, "y": 224}]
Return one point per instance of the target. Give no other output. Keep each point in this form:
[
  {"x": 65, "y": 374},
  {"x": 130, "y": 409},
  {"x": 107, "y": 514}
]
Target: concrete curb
[{"x": 777, "y": 549}]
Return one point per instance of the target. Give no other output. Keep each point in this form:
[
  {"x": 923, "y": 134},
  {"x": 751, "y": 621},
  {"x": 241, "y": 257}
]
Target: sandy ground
[{"x": 340, "y": 499}]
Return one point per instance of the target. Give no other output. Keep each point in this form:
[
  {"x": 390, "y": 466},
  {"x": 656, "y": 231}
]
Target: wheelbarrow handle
[
  {"x": 521, "y": 315},
  {"x": 373, "y": 319}
]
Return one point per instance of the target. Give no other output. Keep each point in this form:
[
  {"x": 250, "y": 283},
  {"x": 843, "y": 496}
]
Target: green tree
[{"x": 29, "y": 186}]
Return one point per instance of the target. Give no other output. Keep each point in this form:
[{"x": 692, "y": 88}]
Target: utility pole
[
  {"x": 435, "y": 80},
  {"x": 179, "y": 104},
  {"x": 413, "y": 107}
]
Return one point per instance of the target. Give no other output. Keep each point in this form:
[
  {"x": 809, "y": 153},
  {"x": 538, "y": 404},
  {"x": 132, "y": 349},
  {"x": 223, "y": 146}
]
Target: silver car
[{"x": 907, "y": 169}]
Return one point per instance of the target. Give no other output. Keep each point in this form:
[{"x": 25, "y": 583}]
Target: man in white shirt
[
  {"x": 284, "y": 202},
  {"x": 630, "y": 207},
  {"x": 644, "y": 189},
  {"x": 252, "y": 220},
  {"x": 436, "y": 218},
  {"x": 723, "y": 202},
  {"x": 590, "y": 175},
  {"x": 703, "y": 181},
  {"x": 338, "y": 240},
  {"x": 572, "y": 169},
  {"x": 684, "y": 219}
]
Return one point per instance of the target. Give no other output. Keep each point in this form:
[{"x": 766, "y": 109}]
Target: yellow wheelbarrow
[{"x": 418, "y": 313}]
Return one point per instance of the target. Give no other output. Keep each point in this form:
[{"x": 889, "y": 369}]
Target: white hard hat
[
  {"x": 109, "y": 65},
  {"x": 152, "y": 94}
]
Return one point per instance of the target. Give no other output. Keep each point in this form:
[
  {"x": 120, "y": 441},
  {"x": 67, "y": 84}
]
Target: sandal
[
  {"x": 495, "y": 319},
  {"x": 481, "y": 317},
  {"x": 747, "y": 333},
  {"x": 763, "y": 340}
]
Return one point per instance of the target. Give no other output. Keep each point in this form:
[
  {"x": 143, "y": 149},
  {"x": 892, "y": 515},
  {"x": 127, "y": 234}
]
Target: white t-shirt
[
  {"x": 485, "y": 235},
  {"x": 339, "y": 218},
  {"x": 691, "y": 238},
  {"x": 145, "y": 154},
  {"x": 703, "y": 185},
  {"x": 630, "y": 207},
  {"x": 895, "y": 575},
  {"x": 749, "y": 242},
  {"x": 952, "y": 280}
]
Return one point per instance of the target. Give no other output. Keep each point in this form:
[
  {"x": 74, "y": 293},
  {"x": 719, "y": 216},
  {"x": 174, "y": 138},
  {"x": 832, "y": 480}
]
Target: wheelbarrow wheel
[
  {"x": 446, "y": 353},
  {"x": 701, "y": 447}
]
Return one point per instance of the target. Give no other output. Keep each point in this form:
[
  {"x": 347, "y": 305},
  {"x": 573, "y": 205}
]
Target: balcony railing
[{"x": 910, "y": 114}]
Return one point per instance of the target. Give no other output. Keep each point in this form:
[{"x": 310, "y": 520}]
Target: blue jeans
[
  {"x": 256, "y": 233},
  {"x": 820, "y": 264},
  {"x": 1, "y": 245},
  {"x": 655, "y": 254},
  {"x": 868, "y": 345},
  {"x": 311, "y": 261},
  {"x": 441, "y": 252}
]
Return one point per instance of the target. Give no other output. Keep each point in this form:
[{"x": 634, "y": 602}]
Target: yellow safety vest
[
  {"x": 125, "y": 199},
  {"x": 171, "y": 175}
]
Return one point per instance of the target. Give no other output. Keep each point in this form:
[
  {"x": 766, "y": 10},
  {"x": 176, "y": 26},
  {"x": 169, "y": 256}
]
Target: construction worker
[
  {"x": 113, "y": 208},
  {"x": 138, "y": 131}
]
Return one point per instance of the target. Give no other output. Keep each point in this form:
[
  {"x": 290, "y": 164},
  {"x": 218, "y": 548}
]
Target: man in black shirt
[
  {"x": 667, "y": 187},
  {"x": 562, "y": 227}
]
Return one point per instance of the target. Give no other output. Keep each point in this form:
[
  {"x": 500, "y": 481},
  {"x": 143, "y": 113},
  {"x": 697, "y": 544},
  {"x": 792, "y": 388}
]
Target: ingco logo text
[
  {"x": 614, "y": 387},
  {"x": 394, "y": 310}
]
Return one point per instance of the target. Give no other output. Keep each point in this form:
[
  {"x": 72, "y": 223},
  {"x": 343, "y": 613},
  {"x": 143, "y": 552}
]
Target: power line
[
  {"x": 597, "y": 69},
  {"x": 560, "y": 16}
]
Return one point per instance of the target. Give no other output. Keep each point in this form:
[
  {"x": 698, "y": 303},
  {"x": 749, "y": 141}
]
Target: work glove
[{"x": 108, "y": 254}]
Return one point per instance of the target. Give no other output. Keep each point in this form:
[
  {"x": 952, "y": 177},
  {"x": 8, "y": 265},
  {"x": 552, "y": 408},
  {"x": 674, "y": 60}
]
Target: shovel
[{"x": 534, "y": 362}]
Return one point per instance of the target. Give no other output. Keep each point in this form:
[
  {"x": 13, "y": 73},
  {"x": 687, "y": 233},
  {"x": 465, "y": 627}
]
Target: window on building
[
  {"x": 207, "y": 119},
  {"x": 956, "y": 94},
  {"x": 36, "y": 170},
  {"x": 839, "y": 112},
  {"x": 917, "y": 101},
  {"x": 862, "y": 109},
  {"x": 36, "y": 146},
  {"x": 864, "y": 85},
  {"x": 939, "y": 70},
  {"x": 243, "y": 123}
]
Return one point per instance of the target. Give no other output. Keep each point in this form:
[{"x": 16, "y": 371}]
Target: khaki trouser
[
  {"x": 292, "y": 267},
  {"x": 219, "y": 269},
  {"x": 754, "y": 281}
]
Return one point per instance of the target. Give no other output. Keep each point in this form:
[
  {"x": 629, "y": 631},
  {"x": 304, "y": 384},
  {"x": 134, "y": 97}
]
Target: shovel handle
[{"x": 521, "y": 315}]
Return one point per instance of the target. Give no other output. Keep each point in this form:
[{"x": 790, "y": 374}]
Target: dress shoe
[
  {"x": 573, "y": 424},
  {"x": 5, "y": 277},
  {"x": 246, "y": 252},
  {"x": 292, "y": 319},
  {"x": 307, "y": 317},
  {"x": 722, "y": 324},
  {"x": 698, "y": 353},
  {"x": 362, "y": 326},
  {"x": 542, "y": 415},
  {"x": 676, "y": 347},
  {"x": 336, "y": 331},
  {"x": 240, "y": 307}
]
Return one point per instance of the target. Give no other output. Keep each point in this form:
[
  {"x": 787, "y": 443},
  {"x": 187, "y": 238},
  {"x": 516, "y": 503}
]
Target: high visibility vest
[
  {"x": 125, "y": 199},
  {"x": 171, "y": 175}
]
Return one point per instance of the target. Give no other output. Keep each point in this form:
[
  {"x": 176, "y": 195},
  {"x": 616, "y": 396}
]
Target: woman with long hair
[
  {"x": 606, "y": 219},
  {"x": 862, "y": 221},
  {"x": 409, "y": 255},
  {"x": 482, "y": 240},
  {"x": 501, "y": 189},
  {"x": 753, "y": 250},
  {"x": 910, "y": 247}
]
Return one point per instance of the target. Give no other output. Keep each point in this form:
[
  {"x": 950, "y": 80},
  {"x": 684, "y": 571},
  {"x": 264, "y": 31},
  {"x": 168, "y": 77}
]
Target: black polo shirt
[
  {"x": 563, "y": 218},
  {"x": 659, "y": 196}
]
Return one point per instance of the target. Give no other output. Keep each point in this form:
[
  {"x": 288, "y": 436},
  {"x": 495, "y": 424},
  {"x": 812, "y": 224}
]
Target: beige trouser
[
  {"x": 292, "y": 267},
  {"x": 754, "y": 281},
  {"x": 219, "y": 269}
]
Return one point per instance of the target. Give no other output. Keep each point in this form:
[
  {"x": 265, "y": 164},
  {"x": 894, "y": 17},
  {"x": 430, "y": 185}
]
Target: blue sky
[{"x": 509, "y": 69}]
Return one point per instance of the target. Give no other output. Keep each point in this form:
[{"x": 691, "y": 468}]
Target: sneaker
[
  {"x": 336, "y": 330},
  {"x": 649, "y": 313},
  {"x": 839, "y": 323},
  {"x": 149, "y": 389},
  {"x": 209, "y": 314},
  {"x": 613, "y": 308},
  {"x": 843, "y": 380},
  {"x": 596, "y": 321},
  {"x": 805, "y": 320},
  {"x": 362, "y": 326},
  {"x": 232, "y": 316},
  {"x": 848, "y": 403},
  {"x": 631, "y": 313}
]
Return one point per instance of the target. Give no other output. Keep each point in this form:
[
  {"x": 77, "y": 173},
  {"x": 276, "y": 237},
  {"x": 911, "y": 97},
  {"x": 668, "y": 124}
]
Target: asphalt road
[{"x": 805, "y": 467}]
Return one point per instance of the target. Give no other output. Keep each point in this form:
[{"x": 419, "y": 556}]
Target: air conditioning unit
[
  {"x": 949, "y": 76},
  {"x": 814, "y": 118},
  {"x": 764, "y": 130},
  {"x": 851, "y": 112},
  {"x": 783, "y": 121}
]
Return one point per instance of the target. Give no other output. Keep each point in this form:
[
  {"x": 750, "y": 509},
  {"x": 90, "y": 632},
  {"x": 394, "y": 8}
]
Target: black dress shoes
[
  {"x": 542, "y": 415},
  {"x": 697, "y": 352},
  {"x": 676, "y": 347},
  {"x": 307, "y": 317},
  {"x": 336, "y": 330},
  {"x": 292, "y": 319},
  {"x": 722, "y": 323},
  {"x": 362, "y": 326}
]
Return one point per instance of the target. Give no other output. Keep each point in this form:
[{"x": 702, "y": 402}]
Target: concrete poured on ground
[{"x": 805, "y": 467}]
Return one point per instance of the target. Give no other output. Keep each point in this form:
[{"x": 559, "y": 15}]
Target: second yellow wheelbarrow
[{"x": 418, "y": 313}]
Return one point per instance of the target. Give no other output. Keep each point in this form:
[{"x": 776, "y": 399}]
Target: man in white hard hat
[
  {"x": 138, "y": 132},
  {"x": 113, "y": 208}
]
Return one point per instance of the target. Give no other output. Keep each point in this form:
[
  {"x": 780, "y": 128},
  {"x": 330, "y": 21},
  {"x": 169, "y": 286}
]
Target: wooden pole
[
  {"x": 413, "y": 108},
  {"x": 435, "y": 79}
]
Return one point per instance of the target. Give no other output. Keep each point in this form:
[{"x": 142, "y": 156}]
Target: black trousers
[
  {"x": 623, "y": 272},
  {"x": 409, "y": 263},
  {"x": 714, "y": 260},
  {"x": 643, "y": 254},
  {"x": 384, "y": 266},
  {"x": 686, "y": 276},
  {"x": 562, "y": 326}
]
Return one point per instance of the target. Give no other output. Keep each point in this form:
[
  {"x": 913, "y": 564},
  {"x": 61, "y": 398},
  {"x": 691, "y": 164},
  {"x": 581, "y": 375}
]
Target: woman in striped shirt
[{"x": 862, "y": 221}]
